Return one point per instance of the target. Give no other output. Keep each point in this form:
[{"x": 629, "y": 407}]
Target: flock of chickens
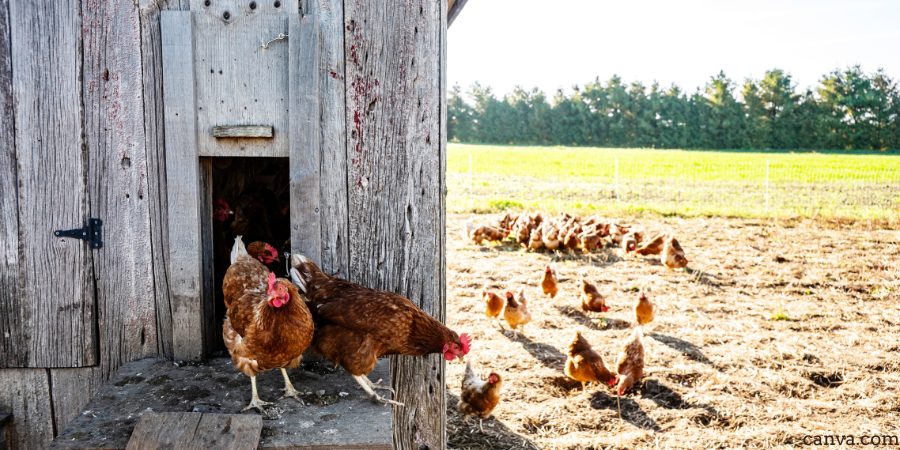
[
  {"x": 569, "y": 233},
  {"x": 584, "y": 364},
  {"x": 271, "y": 320}
]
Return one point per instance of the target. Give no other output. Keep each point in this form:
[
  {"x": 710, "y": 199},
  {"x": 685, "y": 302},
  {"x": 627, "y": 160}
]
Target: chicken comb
[{"x": 466, "y": 343}]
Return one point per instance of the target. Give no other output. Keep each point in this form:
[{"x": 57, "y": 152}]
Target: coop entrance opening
[{"x": 250, "y": 198}]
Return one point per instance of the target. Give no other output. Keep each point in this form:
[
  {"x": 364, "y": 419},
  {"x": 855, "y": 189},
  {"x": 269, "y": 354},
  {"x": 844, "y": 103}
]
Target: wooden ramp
[
  {"x": 196, "y": 431},
  {"x": 153, "y": 402}
]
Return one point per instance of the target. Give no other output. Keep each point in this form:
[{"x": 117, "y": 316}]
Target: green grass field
[{"x": 485, "y": 178}]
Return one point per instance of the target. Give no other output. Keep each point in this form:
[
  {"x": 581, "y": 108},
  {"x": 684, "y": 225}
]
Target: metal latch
[{"x": 93, "y": 233}]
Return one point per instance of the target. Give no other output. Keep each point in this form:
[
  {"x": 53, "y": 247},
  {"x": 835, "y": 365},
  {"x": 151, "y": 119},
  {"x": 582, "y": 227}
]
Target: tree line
[{"x": 848, "y": 109}]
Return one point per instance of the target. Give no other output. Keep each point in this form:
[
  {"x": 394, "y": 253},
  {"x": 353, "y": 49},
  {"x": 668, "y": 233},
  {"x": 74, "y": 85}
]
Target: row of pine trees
[{"x": 848, "y": 109}]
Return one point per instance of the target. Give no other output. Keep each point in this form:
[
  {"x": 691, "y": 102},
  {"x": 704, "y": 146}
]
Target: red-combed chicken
[
  {"x": 629, "y": 243},
  {"x": 267, "y": 324},
  {"x": 515, "y": 313},
  {"x": 673, "y": 255},
  {"x": 584, "y": 364},
  {"x": 630, "y": 362},
  {"x": 643, "y": 310},
  {"x": 493, "y": 305},
  {"x": 360, "y": 325},
  {"x": 479, "y": 397},
  {"x": 591, "y": 300},
  {"x": 550, "y": 281},
  {"x": 221, "y": 211},
  {"x": 267, "y": 255},
  {"x": 550, "y": 237}
]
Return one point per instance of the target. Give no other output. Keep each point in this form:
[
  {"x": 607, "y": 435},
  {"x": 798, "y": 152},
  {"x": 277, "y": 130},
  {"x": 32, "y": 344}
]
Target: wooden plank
[
  {"x": 13, "y": 343},
  {"x": 154, "y": 126},
  {"x": 196, "y": 431},
  {"x": 207, "y": 319},
  {"x": 47, "y": 86},
  {"x": 394, "y": 98},
  {"x": 26, "y": 394},
  {"x": 305, "y": 158},
  {"x": 238, "y": 81},
  {"x": 182, "y": 173},
  {"x": 247, "y": 131},
  {"x": 72, "y": 390},
  {"x": 115, "y": 143},
  {"x": 333, "y": 208}
]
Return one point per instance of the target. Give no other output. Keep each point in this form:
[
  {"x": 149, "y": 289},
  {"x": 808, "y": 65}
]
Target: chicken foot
[
  {"x": 380, "y": 386},
  {"x": 255, "y": 402},
  {"x": 289, "y": 390},
  {"x": 367, "y": 386}
]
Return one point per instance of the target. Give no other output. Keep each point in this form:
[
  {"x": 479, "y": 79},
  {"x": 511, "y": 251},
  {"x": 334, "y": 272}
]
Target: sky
[{"x": 552, "y": 45}]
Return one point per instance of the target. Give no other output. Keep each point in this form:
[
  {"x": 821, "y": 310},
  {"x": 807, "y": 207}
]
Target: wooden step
[
  {"x": 196, "y": 431},
  {"x": 335, "y": 415}
]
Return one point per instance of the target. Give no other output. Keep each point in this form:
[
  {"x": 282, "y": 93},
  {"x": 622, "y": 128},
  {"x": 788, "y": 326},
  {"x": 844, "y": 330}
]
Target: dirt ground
[{"x": 724, "y": 369}]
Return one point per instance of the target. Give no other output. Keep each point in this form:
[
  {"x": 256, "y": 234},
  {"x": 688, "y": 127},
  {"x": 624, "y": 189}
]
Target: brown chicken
[
  {"x": 549, "y": 281},
  {"x": 535, "y": 242},
  {"x": 482, "y": 233},
  {"x": 267, "y": 255},
  {"x": 643, "y": 310},
  {"x": 673, "y": 255},
  {"x": 571, "y": 241},
  {"x": 630, "y": 362},
  {"x": 360, "y": 325},
  {"x": 516, "y": 311},
  {"x": 590, "y": 241},
  {"x": 550, "y": 237},
  {"x": 652, "y": 247},
  {"x": 479, "y": 397},
  {"x": 591, "y": 300},
  {"x": 267, "y": 324},
  {"x": 629, "y": 243},
  {"x": 493, "y": 305},
  {"x": 617, "y": 233},
  {"x": 584, "y": 364}
]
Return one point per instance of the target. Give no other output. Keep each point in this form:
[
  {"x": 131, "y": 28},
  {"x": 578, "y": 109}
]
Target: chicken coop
[{"x": 139, "y": 137}]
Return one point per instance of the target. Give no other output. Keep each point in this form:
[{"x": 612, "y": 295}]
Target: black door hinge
[{"x": 93, "y": 233}]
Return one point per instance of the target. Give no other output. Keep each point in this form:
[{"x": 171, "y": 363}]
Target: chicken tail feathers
[
  {"x": 298, "y": 280},
  {"x": 303, "y": 269},
  {"x": 238, "y": 252}
]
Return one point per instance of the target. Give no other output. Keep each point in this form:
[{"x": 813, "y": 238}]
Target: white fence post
[
  {"x": 471, "y": 179},
  {"x": 617, "y": 182},
  {"x": 767, "y": 186}
]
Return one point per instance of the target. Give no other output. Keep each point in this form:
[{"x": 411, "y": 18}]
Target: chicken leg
[
  {"x": 255, "y": 402},
  {"x": 289, "y": 390},
  {"x": 368, "y": 387}
]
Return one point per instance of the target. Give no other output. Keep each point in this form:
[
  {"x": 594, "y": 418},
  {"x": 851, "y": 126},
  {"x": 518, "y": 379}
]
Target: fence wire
[{"x": 753, "y": 186}]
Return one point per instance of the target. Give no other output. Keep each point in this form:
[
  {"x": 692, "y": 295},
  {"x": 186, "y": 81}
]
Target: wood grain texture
[
  {"x": 394, "y": 98},
  {"x": 207, "y": 317},
  {"x": 115, "y": 143},
  {"x": 183, "y": 186},
  {"x": 238, "y": 81},
  {"x": 246, "y": 131},
  {"x": 305, "y": 159},
  {"x": 72, "y": 390},
  {"x": 47, "y": 86},
  {"x": 13, "y": 345},
  {"x": 333, "y": 142},
  {"x": 26, "y": 394},
  {"x": 199, "y": 431},
  {"x": 154, "y": 126}
]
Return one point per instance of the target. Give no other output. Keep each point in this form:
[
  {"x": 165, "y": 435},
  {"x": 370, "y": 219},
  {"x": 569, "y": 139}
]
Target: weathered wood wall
[
  {"x": 394, "y": 97},
  {"x": 81, "y": 93}
]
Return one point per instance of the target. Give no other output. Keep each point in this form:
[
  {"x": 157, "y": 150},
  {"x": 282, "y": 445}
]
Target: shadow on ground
[{"x": 467, "y": 436}]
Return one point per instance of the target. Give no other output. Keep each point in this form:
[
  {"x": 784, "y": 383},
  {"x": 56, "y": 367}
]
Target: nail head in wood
[{"x": 243, "y": 131}]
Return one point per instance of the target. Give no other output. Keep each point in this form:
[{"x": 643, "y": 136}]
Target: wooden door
[{"x": 47, "y": 301}]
